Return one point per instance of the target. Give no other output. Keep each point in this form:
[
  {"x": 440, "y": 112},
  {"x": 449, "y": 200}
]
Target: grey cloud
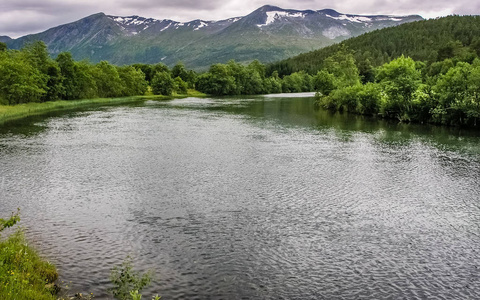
[{"x": 179, "y": 4}]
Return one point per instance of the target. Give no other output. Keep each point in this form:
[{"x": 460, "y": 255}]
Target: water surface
[{"x": 252, "y": 198}]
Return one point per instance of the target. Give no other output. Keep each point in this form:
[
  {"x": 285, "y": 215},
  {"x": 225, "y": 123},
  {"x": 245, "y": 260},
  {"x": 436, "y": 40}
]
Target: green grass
[
  {"x": 23, "y": 274},
  {"x": 15, "y": 112}
]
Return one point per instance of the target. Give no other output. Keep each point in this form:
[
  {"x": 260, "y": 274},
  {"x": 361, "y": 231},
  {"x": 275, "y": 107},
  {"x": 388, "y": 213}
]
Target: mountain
[
  {"x": 269, "y": 33},
  {"x": 5, "y": 39},
  {"x": 428, "y": 41}
]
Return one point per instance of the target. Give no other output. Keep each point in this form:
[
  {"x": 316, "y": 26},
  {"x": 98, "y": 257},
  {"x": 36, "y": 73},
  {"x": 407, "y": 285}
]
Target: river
[{"x": 250, "y": 198}]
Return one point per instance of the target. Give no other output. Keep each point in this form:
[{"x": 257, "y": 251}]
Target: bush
[
  {"x": 23, "y": 274},
  {"x": 126, "y": 281}
]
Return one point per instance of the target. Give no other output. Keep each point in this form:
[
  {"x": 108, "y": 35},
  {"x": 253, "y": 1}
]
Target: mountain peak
[
  {"x": 329, "y": 12},
  {"x": 4, "y": 38},
  {"x": 267, "y": 7}
]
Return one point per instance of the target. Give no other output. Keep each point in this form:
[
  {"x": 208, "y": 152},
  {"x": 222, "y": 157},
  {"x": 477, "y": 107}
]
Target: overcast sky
[{"x": 20, "y": 17}]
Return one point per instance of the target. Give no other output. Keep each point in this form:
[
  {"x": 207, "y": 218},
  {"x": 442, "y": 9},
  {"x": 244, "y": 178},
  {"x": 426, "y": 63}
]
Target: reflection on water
[{"x": 259, "y": 197}]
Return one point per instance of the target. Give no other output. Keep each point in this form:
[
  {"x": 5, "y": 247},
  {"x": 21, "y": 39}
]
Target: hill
[{"x": 427, "y": 40}]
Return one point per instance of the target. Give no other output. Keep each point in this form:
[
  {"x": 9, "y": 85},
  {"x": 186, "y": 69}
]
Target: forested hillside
[{"x": 427, "y": 41}]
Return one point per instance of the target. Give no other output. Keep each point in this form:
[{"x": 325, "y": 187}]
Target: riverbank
[
  {"x": 15, "y": 112},
  {"x": 23, "y": 274}
]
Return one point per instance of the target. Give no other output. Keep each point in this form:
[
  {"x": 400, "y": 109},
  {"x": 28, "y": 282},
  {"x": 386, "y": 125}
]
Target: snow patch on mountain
[
  {"x": 356, "y": 19},
  {"x": 334, "y": 32},
  {"x": 134, "y": 24},
  {"x": 272, "y": 16},
  {"x": 202, "y": 24},
  {"x": 166, "y": 27}
]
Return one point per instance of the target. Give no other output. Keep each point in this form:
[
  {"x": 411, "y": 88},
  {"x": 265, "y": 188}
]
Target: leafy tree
[
  {"x": 324, "y": 82},
  {"x": 217, "y": 81},
  {"x": 180, "y": 85},
  {"x": 85, "y": 84},
  {"x": 133, "y": 81},
  {"x": 179, "y": 71},
  {"x": 399, "y": 79},
  {"x": 20, "y": 81},
  {"x": 55, "y": 89},
  {"x": 107, "y": 80},
  {"x": 163, "y": 84},
  {"x": 458, "y": 94},
  {"x": 68, "y": 70},
  {"x": 342, "y": 66}
]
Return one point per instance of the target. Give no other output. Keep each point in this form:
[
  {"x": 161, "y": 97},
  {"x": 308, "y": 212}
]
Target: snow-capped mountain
[{"x": 269, "y": 33}]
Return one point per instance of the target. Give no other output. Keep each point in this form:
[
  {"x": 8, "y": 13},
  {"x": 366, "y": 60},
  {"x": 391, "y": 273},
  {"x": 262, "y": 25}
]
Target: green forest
[
  {"x": 428, "y": 41},
  {"x": 426, "y": 71},
  {"x": 31, "y": 75}
]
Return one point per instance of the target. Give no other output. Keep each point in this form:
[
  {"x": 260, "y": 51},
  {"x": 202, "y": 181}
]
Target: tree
[
  {"x": 107, "y": 80},
  {"x": 179, "y": 71},
  {"x": 399, "y": 79},
  {"x": 163, "y": 84},
  {"x": 458, "y": 94},
  {"x": 67, "y": 69},
  {"x": 133, "y": 81},
  {"x": 20, "y": 81},
  {"x": 180, "y": 85},
  {"x": 217, "y": 81},
  {"x": 342, "y": 65},
  {"x": 324, "y": 82}
]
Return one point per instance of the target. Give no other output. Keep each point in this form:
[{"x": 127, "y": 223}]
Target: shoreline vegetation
[
  {"x": 9, "y": 113},
  {"x": 25, "y": 275}
]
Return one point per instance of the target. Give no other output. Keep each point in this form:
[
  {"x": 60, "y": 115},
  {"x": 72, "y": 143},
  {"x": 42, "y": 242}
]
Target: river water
[{"x": 251, "y": 198}]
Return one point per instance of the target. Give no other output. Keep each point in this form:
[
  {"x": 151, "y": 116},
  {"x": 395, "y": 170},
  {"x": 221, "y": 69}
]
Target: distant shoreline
[{"x": 9, "y": 113}]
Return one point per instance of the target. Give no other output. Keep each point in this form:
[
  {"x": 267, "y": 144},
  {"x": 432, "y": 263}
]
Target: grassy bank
[
  {"x": 19, "y": 111},
  {"x": 23, "y": 274}
]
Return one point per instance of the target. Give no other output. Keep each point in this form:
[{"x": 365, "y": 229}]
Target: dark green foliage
[
  {"x": 446, "y": 93},
  {"x": 324, "y": 82},
  {"x": 217, "y": 81},
  {"x": 107, "y": 79},
  {"x": 133, "y": 81},
  {"x": 179, "y": 71},
  {"x": 399, "y": 80},
  {"x": 20, "y": 81},
  {"x": 458, "y": 95},
  {"x": 236, "y": 79},
  {"x": 163, "y": 84},
  {"x": 30, "y": 75},
  {"x": 180, "y": 85}
]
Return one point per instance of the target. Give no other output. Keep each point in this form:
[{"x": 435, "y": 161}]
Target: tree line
[
  {"x": 445, "y": 92},
  {"x": 236, "y": 79},
  {"x": 31, "y": 75}
]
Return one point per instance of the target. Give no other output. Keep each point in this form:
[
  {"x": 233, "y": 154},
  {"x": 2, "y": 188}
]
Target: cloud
[{"x": 19, "y": 17}]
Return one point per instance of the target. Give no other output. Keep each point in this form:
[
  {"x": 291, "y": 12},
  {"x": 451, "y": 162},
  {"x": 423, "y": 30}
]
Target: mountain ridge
[{"x": 269, "y": 33}]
